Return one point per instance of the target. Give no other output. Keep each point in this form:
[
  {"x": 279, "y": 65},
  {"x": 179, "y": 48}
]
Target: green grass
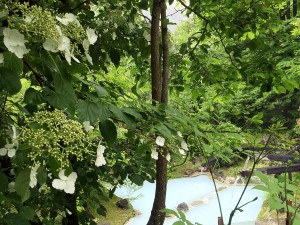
[{"x": 115, "y": 215}]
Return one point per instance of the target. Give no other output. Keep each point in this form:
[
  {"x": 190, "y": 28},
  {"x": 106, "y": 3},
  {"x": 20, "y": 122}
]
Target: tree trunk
[{"x": 160, "y": 81}]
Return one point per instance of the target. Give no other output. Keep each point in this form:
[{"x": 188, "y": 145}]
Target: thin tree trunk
[
  {"x": 160, "y": 80},
  {"x": 165, "y": 52},
  {"x": 295, "y": 8},
  {"x": 155, "y": 55}
]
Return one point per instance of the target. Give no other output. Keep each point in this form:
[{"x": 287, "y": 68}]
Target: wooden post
[{"x": 220, "y": 221}]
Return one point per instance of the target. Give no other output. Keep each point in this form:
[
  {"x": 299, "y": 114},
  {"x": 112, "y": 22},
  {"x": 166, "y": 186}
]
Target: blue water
[{"x": 193, "y": 189}]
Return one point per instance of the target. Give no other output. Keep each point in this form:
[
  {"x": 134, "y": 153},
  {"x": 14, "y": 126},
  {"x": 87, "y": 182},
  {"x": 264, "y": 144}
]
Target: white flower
[
  {"x": 100, "y": 160},
  {"x": 51, "y": 45},
  {"x": 15, "y": 42},
  {"x": 9, "y": 150},
  {"x": 33, "y": 173},
  {"x": 184, "y": 146},
  {"x": 88, "y": 58},
  {"x": 181, "y": 151},
  {"x": 69, "y": 55},
  {"x": 168, "y": 157},
  {"x": 65, "y": 183},
  {"x": 179, "y": 134},
  {"x": 87, "y": 126},
  {"x": 11, "y": 187},
  {"x": 63, "y": 43},
  {"x": 91, "y": 35},
  {"x": 154, "y": 154},
  {"x": 68, "y": 18},
  {"x": 1, "y": 58},
  {"x": 160, "y": 141},
  {"x": 86, "y": 44}
]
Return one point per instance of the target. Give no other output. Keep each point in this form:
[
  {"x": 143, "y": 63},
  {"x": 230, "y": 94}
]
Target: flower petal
[
  {"x": 168, "y": 157},
  {"x": 184, "y": 146},
  {"x": 3, "y": 151},
  {"x": 70, "y": 188},
  {"x": 59, "y": 184},
  {"x": 100, "y": 161},
  {"x": 62, "y": 175},
  {"x": 11, "y": 152},
  {"x": 154, "y": 154},
  {"x": 160, "y": 141},
  {"x": 100, "y": 149}
]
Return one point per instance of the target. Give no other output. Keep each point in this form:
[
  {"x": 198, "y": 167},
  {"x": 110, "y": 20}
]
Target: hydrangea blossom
[
  {"x": 87, "y": 126},
  {"x": 100, "y": 160},
  {"x": 15, "y": 42},
  {"x": 63, "y": 43},
  {"x": 51, "y": 45},
  {"x": 68, "y": 18},
  {"x": 33, "y": 179},
  {"x": 65, "y": 183},
  {"x": 160, "y": 141},
  {"x": 154, "y": 154},
  {"x": 9, "y": 150},
  {"x": 91, "y": 35},
  {"x": 1, "y": 58}
]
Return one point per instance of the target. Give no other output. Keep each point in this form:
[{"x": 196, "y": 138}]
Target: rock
[
  {"x": 188, "y": 172},
  {"x": 202, "y": 169},
  {"x": 123, "y": 204},
  {"x": 183, "y": 207},
  {"x": 229, "y": 180}
]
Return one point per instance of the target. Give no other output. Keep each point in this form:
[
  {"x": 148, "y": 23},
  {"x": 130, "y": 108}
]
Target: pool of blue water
[{"x": 198, "y": 192}]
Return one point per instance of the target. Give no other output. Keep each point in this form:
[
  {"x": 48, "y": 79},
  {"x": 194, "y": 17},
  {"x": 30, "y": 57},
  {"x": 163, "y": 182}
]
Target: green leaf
[
  {"x": 87, "y": 111},
  {"x": 133, "y": 112},
  {"x": 9, "y": 81},
  {"x": 27, "y": 212},
  {"x": 54, "y": 165},
  {"x": 263, "y": 177},
  {"x": 182, "y": 215},
  {"x": 3, "y": 183},
  {"x": 108, "y": 131},
  {"x": 100, "y": 91},
  {"x": 13, "y": 63},
  {"x": 41, "y": 175},
  {"x": 33, "y": 96},
  {"x": 101, "y": 210},
  {"x": 178, "y": 223},
  {"x": 130, "y": 122},
  {"x": 15, "y": 219},
  {"x": 22, "y": 184},
  {"x": 261, "y": 187},
  {"x": 164, "y": 130},
  {"x": 170, "y": 212},
  {"x": 137, "y": 179}
]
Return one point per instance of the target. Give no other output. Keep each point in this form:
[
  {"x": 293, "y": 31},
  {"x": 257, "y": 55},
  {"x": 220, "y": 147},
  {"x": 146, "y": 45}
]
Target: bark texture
[{"x": 160, "y": 81}]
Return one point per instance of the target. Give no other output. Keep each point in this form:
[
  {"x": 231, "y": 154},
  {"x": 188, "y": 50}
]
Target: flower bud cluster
[{"x": 52, "y": 134}]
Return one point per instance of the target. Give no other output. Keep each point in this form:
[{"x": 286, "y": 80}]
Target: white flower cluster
[
  {"x": 15, "y": 42},
  {"x": 65, "y": 183},
  {"x": 160, "y": 141},
  {"x": 63, "y": 43},
  {"x": 10, "y": 149}
]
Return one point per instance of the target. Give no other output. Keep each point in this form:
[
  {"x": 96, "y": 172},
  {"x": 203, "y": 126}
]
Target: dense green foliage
[{"x": 75, "y": 104}]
